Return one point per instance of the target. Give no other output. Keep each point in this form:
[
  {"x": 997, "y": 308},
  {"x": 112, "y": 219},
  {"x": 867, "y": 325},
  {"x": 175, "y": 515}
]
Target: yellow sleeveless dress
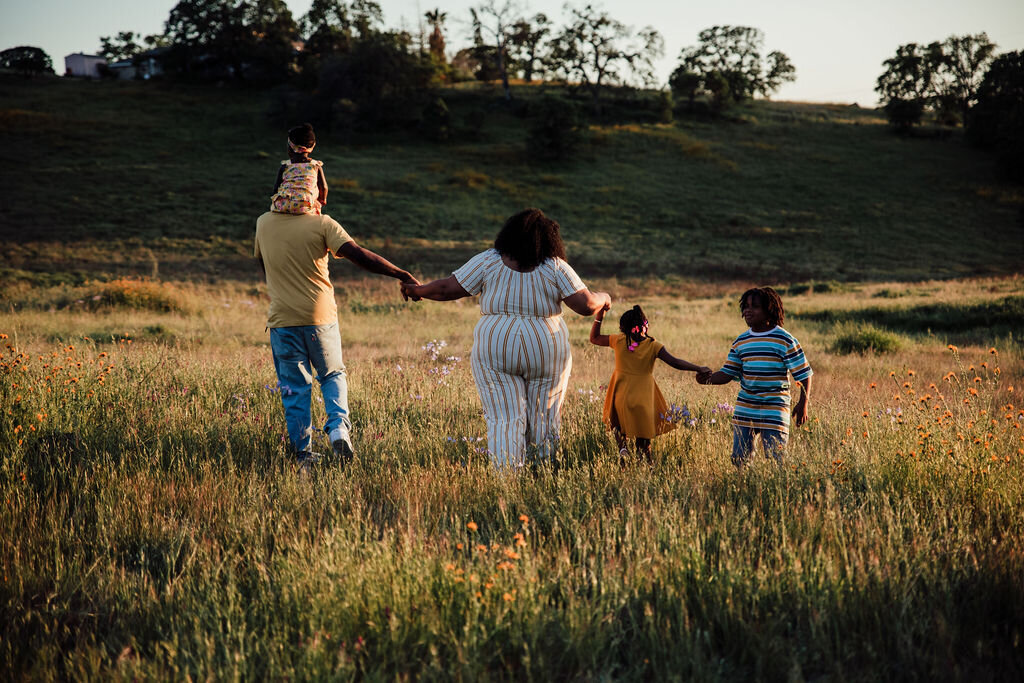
[{"x": 634, "y": 404}]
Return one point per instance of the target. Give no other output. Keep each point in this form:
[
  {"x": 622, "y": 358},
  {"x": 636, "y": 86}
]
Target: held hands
[
  {"x": 409, "y": 286},
  {"x": 703, "y": 375}
]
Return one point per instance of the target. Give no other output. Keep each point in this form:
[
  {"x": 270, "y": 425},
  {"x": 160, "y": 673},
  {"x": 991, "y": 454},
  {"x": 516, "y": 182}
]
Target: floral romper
[{"x": 298, "y": 191}]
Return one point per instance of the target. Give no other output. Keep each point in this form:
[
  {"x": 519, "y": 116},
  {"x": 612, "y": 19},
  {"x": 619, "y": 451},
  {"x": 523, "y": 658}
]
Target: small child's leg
[
  {"x": 620, "y": 440},
  {"x": 742, "y": 444}
]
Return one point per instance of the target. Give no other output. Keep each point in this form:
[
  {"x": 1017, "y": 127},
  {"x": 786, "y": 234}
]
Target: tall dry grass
[{"x": 154, "y": 525}]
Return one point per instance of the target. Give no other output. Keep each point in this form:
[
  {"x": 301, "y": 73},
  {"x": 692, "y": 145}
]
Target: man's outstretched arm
[{"x": 374, "y": 263}]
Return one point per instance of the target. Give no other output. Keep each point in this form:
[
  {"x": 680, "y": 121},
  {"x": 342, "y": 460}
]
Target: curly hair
[
  {"x": 770, "y": 302},
  {"x": 302, "y": 135},
  {"x": 632, "y": 325},
  {"x": 530, "y": 237}
]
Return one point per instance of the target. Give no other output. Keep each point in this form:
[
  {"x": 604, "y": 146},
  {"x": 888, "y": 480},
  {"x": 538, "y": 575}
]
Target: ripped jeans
[{"x": 297, "y": 352}]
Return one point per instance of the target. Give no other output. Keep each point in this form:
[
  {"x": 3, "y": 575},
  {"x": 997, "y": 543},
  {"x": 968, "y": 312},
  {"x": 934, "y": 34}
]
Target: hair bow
[{"x": 299, "y": 149}]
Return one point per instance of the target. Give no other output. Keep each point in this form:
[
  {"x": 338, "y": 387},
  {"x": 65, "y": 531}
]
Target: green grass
[
  {"x": 154, "y": 526},
  {"x": 989, "y": 318},
  {"x": 784, "y": 193}
]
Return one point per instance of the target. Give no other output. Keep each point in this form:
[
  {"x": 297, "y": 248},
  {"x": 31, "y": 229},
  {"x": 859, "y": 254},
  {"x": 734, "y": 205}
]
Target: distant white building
[
  {"x": 83, "y": 66},
  {"x": 143, "y": 66}
]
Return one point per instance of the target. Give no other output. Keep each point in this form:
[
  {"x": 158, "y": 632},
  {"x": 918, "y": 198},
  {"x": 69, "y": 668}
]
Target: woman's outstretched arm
[
  {"x": 586, "y": 302},
  {"x": 447, "y": 289}
]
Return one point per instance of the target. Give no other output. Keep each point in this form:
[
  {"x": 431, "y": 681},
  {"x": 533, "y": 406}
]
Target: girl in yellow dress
[{"x": 634, "y": 407}]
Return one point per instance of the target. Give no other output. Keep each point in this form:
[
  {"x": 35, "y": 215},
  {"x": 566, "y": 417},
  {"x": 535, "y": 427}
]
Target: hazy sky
[{"x": 837, "y": 47}]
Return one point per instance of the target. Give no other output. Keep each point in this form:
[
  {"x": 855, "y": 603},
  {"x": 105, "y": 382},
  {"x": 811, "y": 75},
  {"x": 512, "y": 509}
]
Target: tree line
[
  {"x": 340, "y": 48},
  {"x": 347, "y": 67},
  {"x": 960, "y": 81}
]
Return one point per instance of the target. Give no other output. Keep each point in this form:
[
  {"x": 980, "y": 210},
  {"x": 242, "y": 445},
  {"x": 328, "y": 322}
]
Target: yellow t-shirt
[{"x": 295, "y": 249}]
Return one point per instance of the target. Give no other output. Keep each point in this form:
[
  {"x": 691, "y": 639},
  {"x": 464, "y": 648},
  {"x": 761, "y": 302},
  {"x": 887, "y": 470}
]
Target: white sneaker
[{"x": 341, "y": 443}]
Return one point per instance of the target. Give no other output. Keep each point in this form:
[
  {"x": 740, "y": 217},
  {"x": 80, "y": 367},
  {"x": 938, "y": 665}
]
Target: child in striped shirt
[{"x": 762, "y": 359}]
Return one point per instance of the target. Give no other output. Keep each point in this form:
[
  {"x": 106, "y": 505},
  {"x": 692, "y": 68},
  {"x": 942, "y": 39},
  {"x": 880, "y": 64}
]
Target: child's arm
[
  {"x": 800, "y": 409},
  {"x": 596, "y": 338},
  {"x": 280, "y": 177},
  {"x": 680, "y": 364},
  {"x": 717, "y": 377},
  {"x": 321, "y": 185}
]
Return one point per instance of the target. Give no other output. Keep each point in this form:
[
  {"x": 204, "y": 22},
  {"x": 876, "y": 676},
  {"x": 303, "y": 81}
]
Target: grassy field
[
  {"x": 785, "y": 193},
  {"x": 155, "y": 527}
]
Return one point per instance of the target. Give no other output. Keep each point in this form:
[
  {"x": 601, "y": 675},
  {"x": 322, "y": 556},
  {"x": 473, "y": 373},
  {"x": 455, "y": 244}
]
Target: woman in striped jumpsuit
[{"x": 521, "y": 359}]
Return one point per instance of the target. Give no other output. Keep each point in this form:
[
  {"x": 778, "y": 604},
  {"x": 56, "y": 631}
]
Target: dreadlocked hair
[
  {"x": 530, "y": 237},
  {"x": 302, "y": 135},
  {"x": 632, "y": 325},
  {"x": 770, "y": 302}
]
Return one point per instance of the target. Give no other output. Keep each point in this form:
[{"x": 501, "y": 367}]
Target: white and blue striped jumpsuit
[{"x": 521, "y": 359}]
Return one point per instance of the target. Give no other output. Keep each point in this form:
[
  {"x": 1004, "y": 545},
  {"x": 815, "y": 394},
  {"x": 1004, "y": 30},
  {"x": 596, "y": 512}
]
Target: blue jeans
[
  {"x": 774, "y": 443},
  {"x": 296, "y": 350}
]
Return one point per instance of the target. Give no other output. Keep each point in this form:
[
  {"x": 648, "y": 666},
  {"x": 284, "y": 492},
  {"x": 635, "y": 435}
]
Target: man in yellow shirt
[{"x": 293, "y": 250}]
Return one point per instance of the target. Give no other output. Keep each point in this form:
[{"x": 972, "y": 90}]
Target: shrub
[
  {"x": 437, "y": 120},
  {"x": 904, "y": 114},
  {"x": 816, "y": 287},
  {"x": 864, "y": 338},
  {"x": 555, "y": 129},
  {"x": 128, "y": 293},
  {"x": 665, "y": 106}
]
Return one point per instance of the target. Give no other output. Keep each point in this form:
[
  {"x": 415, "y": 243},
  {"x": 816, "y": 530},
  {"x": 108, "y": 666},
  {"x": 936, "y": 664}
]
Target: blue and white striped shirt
[{"x": 762, "y": 362}]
